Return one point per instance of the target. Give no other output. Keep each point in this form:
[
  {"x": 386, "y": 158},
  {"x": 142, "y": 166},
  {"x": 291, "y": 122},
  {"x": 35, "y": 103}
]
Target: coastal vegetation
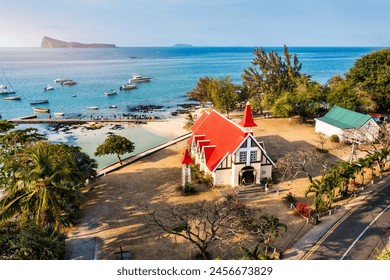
[
  {"x": 275, "y": 83},
  {"x": 40, "y": 184}
]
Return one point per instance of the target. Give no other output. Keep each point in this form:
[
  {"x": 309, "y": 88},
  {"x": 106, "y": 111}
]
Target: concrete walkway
[
  {"x": 141, "y": 155},
  {"x": 302, "y": 247}
]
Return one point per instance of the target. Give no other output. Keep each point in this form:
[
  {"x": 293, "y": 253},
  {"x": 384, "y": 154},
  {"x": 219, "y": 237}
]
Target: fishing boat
[
  {"x": 43, "y": 101},
  {"x": 110, "y": 92},
  {"x": 137, "y": 78},
  {"x": 93, "y": 108},
  {"x": 41, "y": 110},
  {"x": 59, "y": 114},
  {"x": 12, "y": 98},
  {"x": 69, "y": 83},
  {"x": 128, "y": 86},
  {"x": 48, "y": 87}
]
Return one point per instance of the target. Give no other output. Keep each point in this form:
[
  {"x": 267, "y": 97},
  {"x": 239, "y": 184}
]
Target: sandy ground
[{"x": 113, "y": 208}]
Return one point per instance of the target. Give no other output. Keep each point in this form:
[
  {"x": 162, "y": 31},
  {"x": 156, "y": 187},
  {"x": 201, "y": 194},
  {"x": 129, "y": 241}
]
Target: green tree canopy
[
  {"x": 115, "y": 144},
  {"x": 371, "y": 73},
  {"x": 366, "y": 86}
]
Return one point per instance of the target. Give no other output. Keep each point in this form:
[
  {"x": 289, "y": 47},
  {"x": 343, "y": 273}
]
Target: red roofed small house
[{"x": 228, "y": 151}]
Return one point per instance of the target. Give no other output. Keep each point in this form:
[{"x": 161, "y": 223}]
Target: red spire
[
  {"x": 247, "y": 119},
  {"x": 186, "y": 158}
]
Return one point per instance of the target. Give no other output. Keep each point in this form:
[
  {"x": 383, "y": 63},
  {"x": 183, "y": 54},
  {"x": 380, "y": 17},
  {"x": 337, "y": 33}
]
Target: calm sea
[{"x": 174, "y": 71}]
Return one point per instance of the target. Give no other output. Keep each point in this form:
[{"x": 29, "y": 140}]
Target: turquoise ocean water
[{"x": 174, "y": 71}]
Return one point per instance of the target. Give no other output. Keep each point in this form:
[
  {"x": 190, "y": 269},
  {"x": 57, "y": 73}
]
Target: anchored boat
[
  {"x": 41, "y": 110},
  {"x": 43, "y": 101}
]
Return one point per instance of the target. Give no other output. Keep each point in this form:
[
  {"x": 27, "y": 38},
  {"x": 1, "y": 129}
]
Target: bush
[
  {"x": 290, "y": 199},
  {"x": 188, "y": 189},
  {"x": 30, "y": 242},
  {"x": 334, "y": 138}
]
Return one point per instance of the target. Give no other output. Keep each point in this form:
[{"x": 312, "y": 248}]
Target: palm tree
[
  {"x": 317, "y": 187},
  {"x": 270, "y": 228},
  {"x": 45, "y": 190},
  {"x": 254, "y": 254}
]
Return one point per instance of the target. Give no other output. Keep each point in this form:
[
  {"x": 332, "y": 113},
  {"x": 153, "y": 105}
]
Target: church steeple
[{"x": 247, "y": 120}]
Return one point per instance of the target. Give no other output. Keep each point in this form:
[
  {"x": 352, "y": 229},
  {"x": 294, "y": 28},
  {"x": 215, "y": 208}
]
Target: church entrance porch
[{"x": 247, "y": 176}]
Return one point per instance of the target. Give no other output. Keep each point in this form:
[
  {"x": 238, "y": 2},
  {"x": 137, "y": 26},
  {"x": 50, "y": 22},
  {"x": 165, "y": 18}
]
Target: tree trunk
[{"x": 120, "y": 160}]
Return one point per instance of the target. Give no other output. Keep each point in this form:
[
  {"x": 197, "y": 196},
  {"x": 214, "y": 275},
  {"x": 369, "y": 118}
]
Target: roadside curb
[{"x": 310, "y": 239}]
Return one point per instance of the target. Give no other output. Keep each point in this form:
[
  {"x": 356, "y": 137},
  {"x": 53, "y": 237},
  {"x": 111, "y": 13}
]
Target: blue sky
[{"x": 197, "y": 22}]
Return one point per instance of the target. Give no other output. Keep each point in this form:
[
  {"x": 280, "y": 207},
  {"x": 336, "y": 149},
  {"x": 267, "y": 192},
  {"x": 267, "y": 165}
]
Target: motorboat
[
  {"x": 12, "y": 98},
  {"x": 59, "y": 114},
  {"x": 60, "y": 80},
  {"x": 69, "y": 83},
  {"x": 137, "y": 78},
  {"x": 110, "y": 92},
  {"x": 48, "y": 87},
  {"x": 113, "y": 107},
  {"x": 74, "y": 95},
  {"x": 41, "y": 110},
  {"x": 43, "y": 101},
  {"x": 128, "y": 86},
  {"x": 93, "y": 108}
]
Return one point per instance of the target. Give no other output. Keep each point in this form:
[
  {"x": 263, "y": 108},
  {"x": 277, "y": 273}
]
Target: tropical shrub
[
  {"x": 334, "y": 138},
  {"x": 302, "y": 209}
]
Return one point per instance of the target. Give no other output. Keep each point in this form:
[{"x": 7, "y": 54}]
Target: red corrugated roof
[
  {"x": 247, "y": 120},
  {"x": 223, "y": 133},
  {"x": 186, "y": 159}
]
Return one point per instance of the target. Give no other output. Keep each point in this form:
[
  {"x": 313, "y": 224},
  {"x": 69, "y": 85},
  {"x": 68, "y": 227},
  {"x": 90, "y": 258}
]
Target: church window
[
  {"x": 253, "y": 143},
  {"x": 253, "y": 156},
  {"x": 244, "y": 145},
  {"x": 242, "y": 156}
]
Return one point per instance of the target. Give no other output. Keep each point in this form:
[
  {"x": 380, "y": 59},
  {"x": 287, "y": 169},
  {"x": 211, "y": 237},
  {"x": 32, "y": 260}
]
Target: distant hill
[
  {"x": 48, "y": 42},
  {"x": 182, "y": 46}
]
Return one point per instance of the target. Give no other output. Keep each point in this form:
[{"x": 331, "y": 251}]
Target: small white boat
[
  {"x": 74, "y": 95},
  {"x": 59, "y": 114},
  {"x": 110, "y": 92},
  {"x": 113, "y": 107},
  {"x": 128, "y": 86},
  {"x": 41, "y": 110},
  {"x": 13, "y": 98},
  {"x": 43, "y": 101},
  {"x": 48, "y": 87},
  {"x": 3, "y": 86},
  {"x": 93, "y": 108},
  {"x": 137, "y": 78}
]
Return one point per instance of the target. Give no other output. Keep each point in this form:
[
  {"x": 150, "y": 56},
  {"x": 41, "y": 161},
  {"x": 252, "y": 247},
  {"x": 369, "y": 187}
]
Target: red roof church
[{"x": 228, "y": 151}]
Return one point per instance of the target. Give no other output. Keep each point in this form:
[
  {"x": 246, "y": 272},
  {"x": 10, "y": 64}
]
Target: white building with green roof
[{"x": 347, "y": 125}]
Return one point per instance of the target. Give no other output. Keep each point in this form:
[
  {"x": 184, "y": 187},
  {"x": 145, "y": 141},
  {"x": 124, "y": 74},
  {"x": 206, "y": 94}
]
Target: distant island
[
  {"x": 182, "y": 46},
  {"x": 48, "y": 42}
]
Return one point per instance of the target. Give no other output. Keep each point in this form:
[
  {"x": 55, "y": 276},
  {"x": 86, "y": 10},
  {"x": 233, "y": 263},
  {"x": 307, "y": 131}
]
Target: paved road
[{"x": 359, "y": 234}]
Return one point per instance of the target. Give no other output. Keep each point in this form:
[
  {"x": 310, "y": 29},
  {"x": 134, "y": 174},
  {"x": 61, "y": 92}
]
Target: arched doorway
[{"x": 247, "y": 176}]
